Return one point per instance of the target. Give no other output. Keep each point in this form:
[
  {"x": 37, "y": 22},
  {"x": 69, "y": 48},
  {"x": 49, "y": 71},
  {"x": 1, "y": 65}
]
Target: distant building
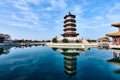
[
  {"x": 103, "y": 39},
  {"x": 1, "y": 39},
  {"x": 103, "y": 42},
  {"x": 4, "y": 38}
]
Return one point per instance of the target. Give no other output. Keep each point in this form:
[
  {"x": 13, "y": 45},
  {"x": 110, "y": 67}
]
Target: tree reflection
[{"x": 4, "y": 49}]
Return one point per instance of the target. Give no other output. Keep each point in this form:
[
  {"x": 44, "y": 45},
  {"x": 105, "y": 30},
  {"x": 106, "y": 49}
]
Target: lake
[{"x": 45, "y": 63}]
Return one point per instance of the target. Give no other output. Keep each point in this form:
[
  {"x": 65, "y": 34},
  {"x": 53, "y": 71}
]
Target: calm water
[{"x": 44, "y": 63}]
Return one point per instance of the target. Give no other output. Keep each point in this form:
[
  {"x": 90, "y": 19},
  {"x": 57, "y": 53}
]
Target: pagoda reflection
[{"x": 70, "y": 60}]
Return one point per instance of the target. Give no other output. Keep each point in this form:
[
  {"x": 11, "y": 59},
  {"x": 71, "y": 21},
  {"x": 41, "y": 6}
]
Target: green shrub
[
  {"x": 77, "y": 41},
  {"x": 65, "y": 41}
]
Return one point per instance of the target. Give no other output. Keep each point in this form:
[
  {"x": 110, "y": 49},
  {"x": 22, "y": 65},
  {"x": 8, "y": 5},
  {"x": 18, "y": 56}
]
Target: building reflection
[
  {"x": 25, "y": 46},
  {"x": 115, "y": 59},
  {"x": 4, "y": 49},
  {"x": 70, "y": 60}
]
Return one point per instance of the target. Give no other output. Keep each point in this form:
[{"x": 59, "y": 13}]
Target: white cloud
[
  {"x": 98, "y": 18},
  {"x": 85, "y": 2},
  {"x": 49, "y": 8},
  {"x": 56, "y": 4},
  {"x": 114, "y": 8},
  {"x": 19, "y": 4},
  {"x": 99, "y": 23},
  {"x": 36, "y": 2},
  {"x": 42, "y": 13},
  {"x": 24, "y": 16},
  {"x": 113, "y": 14}
]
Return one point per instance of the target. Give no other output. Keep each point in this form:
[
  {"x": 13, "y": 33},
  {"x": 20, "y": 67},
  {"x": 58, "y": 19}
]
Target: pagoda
[
  {"x": 69, "y": 31},
  {"x": 69, "y": 26},
  {"x": 69, "y": 38},
  {"x": 116, "y": 35}
]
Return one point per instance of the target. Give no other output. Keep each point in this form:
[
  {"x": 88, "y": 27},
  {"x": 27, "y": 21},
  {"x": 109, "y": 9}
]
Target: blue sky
[{"x": 43, "y": 19}]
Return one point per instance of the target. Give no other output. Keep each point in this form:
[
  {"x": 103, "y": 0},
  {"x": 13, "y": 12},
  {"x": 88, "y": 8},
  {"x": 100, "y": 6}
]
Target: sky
[{"x": 43, "y": 19}]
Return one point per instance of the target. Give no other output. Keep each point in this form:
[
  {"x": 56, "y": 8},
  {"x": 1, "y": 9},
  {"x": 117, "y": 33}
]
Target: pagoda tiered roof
[
  {"x": 71, "y": 28},
  {"x": 71, "y": 19},
  {"x": 69, "y": 14},
  {"x": 70, "y": 24},
  {"x": 116, "y": 24},
  {"x": 113, "y": 34}
]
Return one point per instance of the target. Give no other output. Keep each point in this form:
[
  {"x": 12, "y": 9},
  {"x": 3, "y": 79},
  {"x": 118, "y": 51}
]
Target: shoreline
[{"x": 21, "y": 44}]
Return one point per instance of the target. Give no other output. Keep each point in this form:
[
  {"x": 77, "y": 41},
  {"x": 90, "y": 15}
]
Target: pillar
[
  {"x": 119, "y": 55},
  {"x": 113, "y": 41},
  {"x": 114, "y": 55},
  {"x": 119, "y": 29},
  {"x": 119, "y": 41}
]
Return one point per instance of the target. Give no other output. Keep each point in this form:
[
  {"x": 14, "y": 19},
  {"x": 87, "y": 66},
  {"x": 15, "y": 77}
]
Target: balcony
[
  {"x": 70, "y": 24},
  {"x": 69, "y": 19},
  {"x": 114, "y": 46},
  {"x": 71, "y": 28}
]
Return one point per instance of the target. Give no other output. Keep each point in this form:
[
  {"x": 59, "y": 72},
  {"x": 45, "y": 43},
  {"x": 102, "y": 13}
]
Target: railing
[
  {"x": 73, "y": 45},
  {"x": 69, "y": 23},
  {"x": 69, "y": 18},
  {"x": 114, "y": 46},
  {"x": 69, "y": 31}
]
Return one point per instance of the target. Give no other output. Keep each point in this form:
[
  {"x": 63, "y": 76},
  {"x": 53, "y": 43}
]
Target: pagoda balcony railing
[
  {"x": 66, "y": 20},
  {"x": 70, "y": 18},
  {"x": 72, "y": 29},
  {"x": 69, "y": 27},
  {"x": 69, "y": 31},
  {"x": 70, "y": 24}
]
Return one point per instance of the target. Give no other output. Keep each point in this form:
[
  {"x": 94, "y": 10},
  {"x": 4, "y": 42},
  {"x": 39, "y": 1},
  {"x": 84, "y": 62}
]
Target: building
[
  {"x": 4, "y": 38},
  {"x": 116, "y": 35},
  {"x": 103, "y": 39},
  {"x": 103, "y": 42},
  {"x": 69, "y": 38},
  {"x": 70, "y": 29},
  {"x": 1, "y": 39},
  {"x": 69, "y": 26}
]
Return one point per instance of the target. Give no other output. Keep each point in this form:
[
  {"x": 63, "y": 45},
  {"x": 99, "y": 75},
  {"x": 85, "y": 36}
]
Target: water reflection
[
  {"x": 115, "y": 59},
  {"x": 70, "y": 59},
  {"x": 94, "y": 58},
  {"x": 25, "y": 46},
  {"x": 67, "y": 64},
  {"x": 4, "y": 49}
]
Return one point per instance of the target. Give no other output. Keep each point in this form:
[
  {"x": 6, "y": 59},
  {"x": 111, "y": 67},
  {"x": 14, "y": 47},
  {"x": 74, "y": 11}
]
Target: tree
[
  {"x": 91, "y": 40},
  {"x": 65, "y": 40},
  {"x": 77, "y": 41},
  {"x": 54, "y": 40}
]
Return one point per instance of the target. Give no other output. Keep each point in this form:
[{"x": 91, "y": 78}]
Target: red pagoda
[{"x": 116, "y": 35}]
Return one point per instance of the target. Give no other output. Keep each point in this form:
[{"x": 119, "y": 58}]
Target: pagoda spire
[{"x": 69, "y": 13}]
